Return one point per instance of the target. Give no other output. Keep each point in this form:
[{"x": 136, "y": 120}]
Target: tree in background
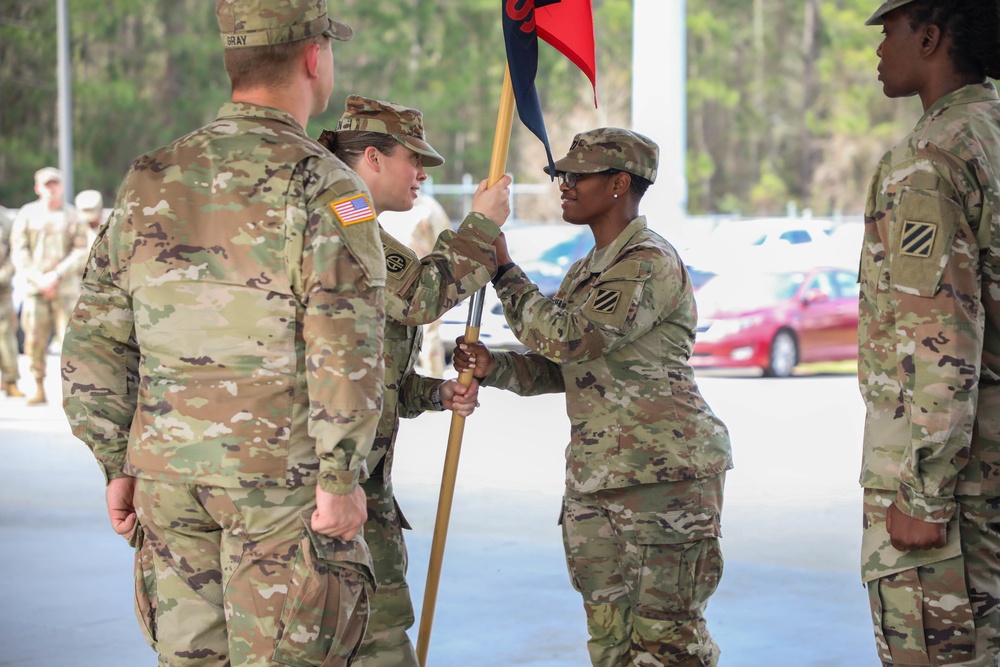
[{"x": 783, "y": 104}]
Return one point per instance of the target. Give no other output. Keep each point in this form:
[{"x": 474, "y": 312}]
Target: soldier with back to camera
[{"x": 225, "y": 366}]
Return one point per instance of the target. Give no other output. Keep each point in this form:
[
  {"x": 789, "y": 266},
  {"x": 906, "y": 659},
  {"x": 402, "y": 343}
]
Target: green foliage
[{"x": 782, "y": 97}]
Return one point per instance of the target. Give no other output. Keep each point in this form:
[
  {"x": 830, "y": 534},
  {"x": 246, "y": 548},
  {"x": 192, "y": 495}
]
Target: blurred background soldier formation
[
  {"x": 431, "y": 220},
  {"x": 224, "y": 364},
  {"x": 90, "y": 209},
  {"x": 647, "y": 458},
  {"x": 49, "y": 248},
  {"x": 384, "y": 143},
  {"x": 929, "y": 355},
  {"x": 420, "y": 228},
  {"x": 8, "y": 318}
]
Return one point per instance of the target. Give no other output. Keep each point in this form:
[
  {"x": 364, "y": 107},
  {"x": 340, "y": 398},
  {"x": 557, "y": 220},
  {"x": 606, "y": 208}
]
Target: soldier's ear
[
  {"x": 311, "y": 56},
  {"x": 622, "y": 183},
  {"x": 930, "y": 38},
  {"x": 373, "y": 158}
]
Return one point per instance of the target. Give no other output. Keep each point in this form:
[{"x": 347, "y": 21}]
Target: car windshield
[{"x": 736, "y": 291}]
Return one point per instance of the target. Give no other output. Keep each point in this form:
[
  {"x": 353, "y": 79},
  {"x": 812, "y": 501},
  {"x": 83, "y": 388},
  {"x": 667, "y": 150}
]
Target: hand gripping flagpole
[{"x": 498, "y": 164}]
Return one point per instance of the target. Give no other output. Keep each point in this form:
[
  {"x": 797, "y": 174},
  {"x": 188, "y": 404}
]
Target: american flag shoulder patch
[{"x": 353, "y": 210}]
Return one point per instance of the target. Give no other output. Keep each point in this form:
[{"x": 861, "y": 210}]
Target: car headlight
[{"x": 721, "y": 328}]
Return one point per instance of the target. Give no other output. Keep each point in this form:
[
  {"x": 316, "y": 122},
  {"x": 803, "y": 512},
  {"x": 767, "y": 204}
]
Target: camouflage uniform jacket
[
  {"x": 43, "y": 240},
  {"x": 616, "y": 337},
  {"x": 420, "y": 290},
  {"x": 230, "y": 328},
  {"x": 930, "y": 310}
]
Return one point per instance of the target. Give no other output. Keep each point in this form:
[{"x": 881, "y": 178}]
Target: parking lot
[{"x": 790, "y": 595}]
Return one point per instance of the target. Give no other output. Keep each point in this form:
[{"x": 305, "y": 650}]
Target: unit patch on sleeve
[
  {"x": 917, "y": 239},
  {"x": 395, "y": 262},
  {"x": 353, "y": 210},
  {"x": 606, "y": 301}
]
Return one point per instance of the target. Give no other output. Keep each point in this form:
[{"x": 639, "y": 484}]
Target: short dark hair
[
  {"x": 637, "y": 185},
  {"x": 973, "y": 27},
  {"x": 267, "y": 65}
]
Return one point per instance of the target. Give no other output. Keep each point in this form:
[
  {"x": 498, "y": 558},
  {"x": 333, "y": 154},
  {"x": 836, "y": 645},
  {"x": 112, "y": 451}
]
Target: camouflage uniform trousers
[
  {"x": 44, "y": 319},
  {"x": 237, "y": 577},
  {"x": 386, "y": 643},
  {"x": 8, "y": 338},
  {"x": 946, "y": 610},
  {"x": 646, "y": 560}
]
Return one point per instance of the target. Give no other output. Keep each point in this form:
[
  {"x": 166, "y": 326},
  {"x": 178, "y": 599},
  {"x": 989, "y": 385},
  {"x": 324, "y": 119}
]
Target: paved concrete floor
[{"x": 790, "y": 594}]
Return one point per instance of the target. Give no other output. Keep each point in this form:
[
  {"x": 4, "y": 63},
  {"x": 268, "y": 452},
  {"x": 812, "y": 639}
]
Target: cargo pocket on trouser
[
  {"x": 326, "y": 609},
  {"x": 679, "y": 568},
  {"x": 145, "y": 585},
  {"x": 923, "y": 616}
]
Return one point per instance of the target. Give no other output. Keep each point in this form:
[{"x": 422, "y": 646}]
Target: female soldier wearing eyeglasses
[{"x": 647, "y": 457}]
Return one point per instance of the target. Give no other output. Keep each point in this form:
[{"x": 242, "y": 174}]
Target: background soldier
[
  {"x": 431, "y": 222},
  {"x": 647, "y": 458},
  {"x": 8, "y": 318},
  {"x": 929, "y": 356},
  {"x": 224, "y": 364},
  {"x": 49, "y": 249},
  {"x": 90, "y": 209},
  {"x": 384, "y": 143}
]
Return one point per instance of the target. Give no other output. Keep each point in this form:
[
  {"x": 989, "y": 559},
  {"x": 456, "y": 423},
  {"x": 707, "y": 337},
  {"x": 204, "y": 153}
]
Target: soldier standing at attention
[
  {"x": 8, "y": 318},
  {"x": 49, "y": 248},
  {"x": 384, "y": 143},
  {"x": 647, "y": 458},
  {"x": 929, "y": 326},
  {"x": 224, "y": 364}
]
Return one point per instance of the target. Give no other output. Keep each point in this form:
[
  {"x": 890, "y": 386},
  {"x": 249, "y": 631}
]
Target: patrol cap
[
  {"x": 47, "y": 175},
  {"x": 363, "y": 114},
  {"x": 244, "y": 23},
  {"x": 611, "y": 148},
  {"x": 89, "y": 200},
  {"x": 885, "y": 8}
]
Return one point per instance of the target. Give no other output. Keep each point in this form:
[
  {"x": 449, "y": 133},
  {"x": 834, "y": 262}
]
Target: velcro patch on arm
[
  {"x": 924, "y": 228},
  {"x": 400, "y": 262},
  {"x": 610, "y": 302}
]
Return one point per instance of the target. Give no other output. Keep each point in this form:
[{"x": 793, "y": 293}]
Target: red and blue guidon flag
[
  {"x": 353, "y": 210},
  {"x": 568, "y": 25}
]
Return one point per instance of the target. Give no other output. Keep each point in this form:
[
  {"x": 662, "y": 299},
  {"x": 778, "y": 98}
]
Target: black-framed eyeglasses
[{"x": 569, "y": 178}]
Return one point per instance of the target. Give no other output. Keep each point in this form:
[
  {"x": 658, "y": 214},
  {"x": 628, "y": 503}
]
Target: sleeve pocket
[
  {"x": 610, "y": 302},
  {"x": 921, "y": 241}
]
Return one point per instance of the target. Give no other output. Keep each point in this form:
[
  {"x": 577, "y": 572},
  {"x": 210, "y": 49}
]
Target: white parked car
[{"x": 763, "y": 242}]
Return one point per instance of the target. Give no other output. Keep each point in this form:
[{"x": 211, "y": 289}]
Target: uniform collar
[
  {"x": 601, "y": 259},
  {"x": 245, "y": 110},
  {"x": 977, "y": 92}
]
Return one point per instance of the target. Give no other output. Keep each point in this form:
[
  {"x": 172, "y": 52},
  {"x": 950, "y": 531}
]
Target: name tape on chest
[
  {"x": 352, "y": 210},
  {"x": 917, "y": 239}
]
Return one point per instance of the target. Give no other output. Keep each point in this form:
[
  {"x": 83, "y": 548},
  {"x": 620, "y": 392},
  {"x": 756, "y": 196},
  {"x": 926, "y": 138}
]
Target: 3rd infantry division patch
[
  {"x": 606, "y": 301},
  {"x": 918, "y": 238}
]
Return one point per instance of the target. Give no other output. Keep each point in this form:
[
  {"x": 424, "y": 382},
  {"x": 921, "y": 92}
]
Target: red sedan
[{"x": 774, "y": 321}]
